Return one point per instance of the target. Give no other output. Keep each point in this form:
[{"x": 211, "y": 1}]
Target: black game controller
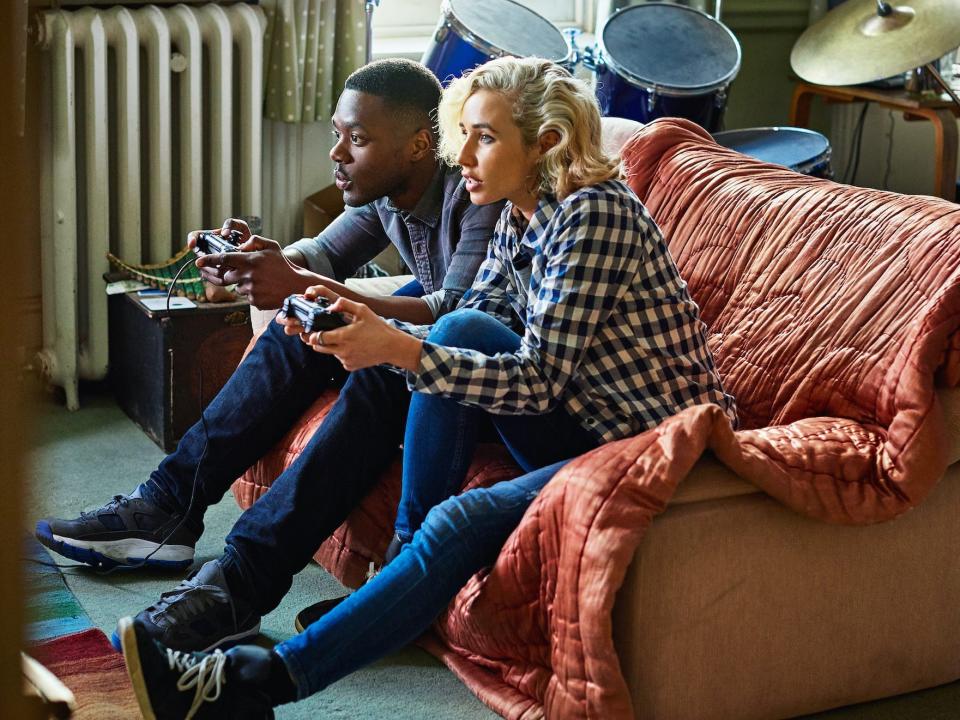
[
  {"x": 211, "y": 243},
  {"x": 312, "y": 314}
]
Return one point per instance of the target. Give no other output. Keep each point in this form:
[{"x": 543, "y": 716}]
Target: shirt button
[{"x": 591, "y": 421}]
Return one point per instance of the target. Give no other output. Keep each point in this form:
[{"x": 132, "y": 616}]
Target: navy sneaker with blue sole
[{"x": 128, "y": 530}]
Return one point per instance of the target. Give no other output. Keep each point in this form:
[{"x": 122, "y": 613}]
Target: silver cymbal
[{"x": 854, "y": 44}]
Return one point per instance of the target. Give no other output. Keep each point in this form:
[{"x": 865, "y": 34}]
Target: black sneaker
[
  {"x": 198, "y": 614},
  {"x": 175, "y": 684},
  {"x": 312, "y": 613},
  {"x": 123, "y": 532}
]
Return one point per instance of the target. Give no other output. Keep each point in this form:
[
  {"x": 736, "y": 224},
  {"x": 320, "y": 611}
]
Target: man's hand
[
  {"x": 261, "y": 272},
  {"x": 365, "y": 341},
  {"x": 211, "y": 267}
]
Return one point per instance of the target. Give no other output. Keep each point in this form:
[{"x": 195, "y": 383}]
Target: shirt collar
[
  {"x": 428, "y": 208},
  {"x": 529, "y": 233}
]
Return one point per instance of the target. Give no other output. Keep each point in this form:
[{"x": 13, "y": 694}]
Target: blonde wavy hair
[{"x": 544, "y": 97}]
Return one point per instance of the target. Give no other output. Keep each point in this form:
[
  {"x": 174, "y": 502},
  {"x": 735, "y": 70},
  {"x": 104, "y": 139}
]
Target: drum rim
[
  {"x": 447, "y": 17},
  {"x": 825, "y": 156},
  {"x": 637, "y": 81}
]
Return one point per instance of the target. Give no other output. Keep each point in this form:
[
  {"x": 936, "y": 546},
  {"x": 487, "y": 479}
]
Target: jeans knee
[{"x": 475, "y": 330}]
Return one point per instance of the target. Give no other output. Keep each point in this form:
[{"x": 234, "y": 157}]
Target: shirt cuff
[
  {"x": 317, "y": 259},
  {"x": 435, "y": 302},
  {"x": 418, "y": 331},
  {"x": 431, "y": 371}
]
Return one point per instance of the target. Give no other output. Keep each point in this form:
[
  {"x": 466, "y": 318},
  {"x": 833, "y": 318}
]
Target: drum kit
[
  {"x": 651, "y": 60},
  {"x": 658, "y": 59}
]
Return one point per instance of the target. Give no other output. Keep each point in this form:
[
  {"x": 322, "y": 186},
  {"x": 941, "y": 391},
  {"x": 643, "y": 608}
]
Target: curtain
[{"x": 311, "y": 46}]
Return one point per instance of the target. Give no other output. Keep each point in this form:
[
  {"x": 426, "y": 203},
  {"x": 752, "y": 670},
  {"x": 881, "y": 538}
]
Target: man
[{"x": 386, "y": 166}]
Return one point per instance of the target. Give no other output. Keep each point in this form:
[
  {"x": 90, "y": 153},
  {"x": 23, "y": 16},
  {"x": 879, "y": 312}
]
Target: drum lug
[
  {"x": 720, "y": 99},
  {"x": 652, "y": 100},
  {"x": 441, "y": 33}
]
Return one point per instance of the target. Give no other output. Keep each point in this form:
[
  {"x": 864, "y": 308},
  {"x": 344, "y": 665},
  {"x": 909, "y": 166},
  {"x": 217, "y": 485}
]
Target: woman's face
[{"x": 495, "y": 162}]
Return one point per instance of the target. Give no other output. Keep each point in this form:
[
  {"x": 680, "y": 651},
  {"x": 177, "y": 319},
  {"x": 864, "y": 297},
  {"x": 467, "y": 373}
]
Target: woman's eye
[{"x": 486, "y": 139}]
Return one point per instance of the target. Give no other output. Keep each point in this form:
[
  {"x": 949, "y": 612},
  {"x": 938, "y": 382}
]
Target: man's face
[{"x": 372, "y": 150}]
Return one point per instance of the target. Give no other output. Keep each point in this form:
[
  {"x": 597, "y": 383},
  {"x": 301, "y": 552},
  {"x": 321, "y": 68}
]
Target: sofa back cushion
[{"x": 815, "y": 293}]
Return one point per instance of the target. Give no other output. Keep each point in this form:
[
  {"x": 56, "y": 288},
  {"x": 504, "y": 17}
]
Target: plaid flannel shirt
[{"x": 608, "y": 328}]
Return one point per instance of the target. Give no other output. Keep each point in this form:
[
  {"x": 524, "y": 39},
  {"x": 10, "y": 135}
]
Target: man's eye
[
  {"x": 336, "y": 134},
  {"x": 355, "y": 139}
]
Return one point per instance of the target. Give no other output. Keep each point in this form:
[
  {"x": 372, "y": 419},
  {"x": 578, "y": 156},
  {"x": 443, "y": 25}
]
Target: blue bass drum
[
  {"x": 799, "y": 149},
  {"x": 470, "y": 33},
  {"x": 664, "y": 60}
]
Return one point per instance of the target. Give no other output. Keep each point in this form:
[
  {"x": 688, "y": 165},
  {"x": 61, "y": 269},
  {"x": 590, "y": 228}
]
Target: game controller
[
  {"x": 312, "y": 314},
  {"x": 212, "y": 243}
]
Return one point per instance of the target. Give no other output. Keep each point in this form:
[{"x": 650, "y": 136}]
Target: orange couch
[{"x": 697, "y": 572}]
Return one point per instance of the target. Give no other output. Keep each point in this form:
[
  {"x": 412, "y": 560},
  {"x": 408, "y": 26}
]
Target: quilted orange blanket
[
  {"x": 833, "y": 313},
  {"x": 831, "y": 308}
]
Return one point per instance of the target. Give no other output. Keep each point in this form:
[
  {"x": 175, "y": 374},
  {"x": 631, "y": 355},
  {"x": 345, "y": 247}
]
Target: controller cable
[{"x": 193, "y": 490}]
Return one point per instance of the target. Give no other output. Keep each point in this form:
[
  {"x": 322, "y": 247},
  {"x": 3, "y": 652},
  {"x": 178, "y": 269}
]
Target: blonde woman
[{"x": 577, "y": 331}]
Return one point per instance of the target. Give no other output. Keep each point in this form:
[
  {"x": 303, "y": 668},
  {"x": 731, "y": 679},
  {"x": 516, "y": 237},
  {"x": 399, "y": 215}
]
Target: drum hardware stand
[
  {"x": 371, "y": 5},
  {"x": 571, "y": 35},
  {"x": 931, "y": 68}
]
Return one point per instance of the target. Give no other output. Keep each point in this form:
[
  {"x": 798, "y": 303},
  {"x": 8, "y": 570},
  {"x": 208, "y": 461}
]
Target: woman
[{"x": 609, "y": 344}]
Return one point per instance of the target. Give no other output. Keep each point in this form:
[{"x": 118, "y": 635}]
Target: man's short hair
[{"x": 405, "y": 85}]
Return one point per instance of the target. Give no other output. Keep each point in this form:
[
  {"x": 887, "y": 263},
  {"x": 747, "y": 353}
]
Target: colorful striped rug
[{"x": 62, "y": 638}]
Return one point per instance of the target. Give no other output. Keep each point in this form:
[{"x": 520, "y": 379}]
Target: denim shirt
[{"x": 442, "y": 240}]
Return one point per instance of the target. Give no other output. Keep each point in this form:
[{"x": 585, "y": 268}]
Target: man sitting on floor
[{"x": 386, "y": 166}]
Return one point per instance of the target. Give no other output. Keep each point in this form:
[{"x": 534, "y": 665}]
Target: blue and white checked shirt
[{"x": 609, "y": 329}]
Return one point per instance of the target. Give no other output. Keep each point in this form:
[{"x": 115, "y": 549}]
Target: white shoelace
[{"x": 206, "y": 676}]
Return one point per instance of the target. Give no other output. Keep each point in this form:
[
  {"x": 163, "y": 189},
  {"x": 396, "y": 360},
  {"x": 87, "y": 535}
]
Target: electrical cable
[
  {"x": 186, "y": 514},
  {"x": 853, "y": 162},
  {"x": 886, "y": 173}
]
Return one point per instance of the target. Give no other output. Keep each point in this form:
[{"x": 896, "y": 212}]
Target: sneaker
[
  {"x": 198, "y": 614},
  {"x": 312, "y": 613},
  {"x": 123, "y": 532},
  {"x": 175, "y": 684}
]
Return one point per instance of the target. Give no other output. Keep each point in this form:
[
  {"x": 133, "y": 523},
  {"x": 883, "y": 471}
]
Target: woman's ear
[{"x": 548, "y": 140}]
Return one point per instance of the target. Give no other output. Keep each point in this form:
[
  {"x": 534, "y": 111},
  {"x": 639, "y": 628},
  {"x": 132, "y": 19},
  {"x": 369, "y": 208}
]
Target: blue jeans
[
  {"x": 460, "y": 536},
  {"x": 442, "y": 434}
]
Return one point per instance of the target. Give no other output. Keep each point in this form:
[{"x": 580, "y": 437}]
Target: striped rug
[{"x": 62, "y": 638}]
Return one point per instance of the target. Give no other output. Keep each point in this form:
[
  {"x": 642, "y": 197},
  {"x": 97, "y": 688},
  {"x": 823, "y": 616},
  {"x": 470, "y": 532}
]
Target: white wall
[{"x": 908, "y": 144}]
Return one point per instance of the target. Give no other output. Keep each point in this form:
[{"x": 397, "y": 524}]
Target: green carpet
[{"x": 80, "y": 459}]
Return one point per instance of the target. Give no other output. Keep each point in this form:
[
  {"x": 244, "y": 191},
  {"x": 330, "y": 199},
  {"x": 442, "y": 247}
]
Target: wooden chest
[{"x": 166, "y": 366}]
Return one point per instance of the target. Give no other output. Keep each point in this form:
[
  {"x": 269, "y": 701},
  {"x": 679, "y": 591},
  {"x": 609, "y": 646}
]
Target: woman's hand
[{"x": 365, "y": 341}]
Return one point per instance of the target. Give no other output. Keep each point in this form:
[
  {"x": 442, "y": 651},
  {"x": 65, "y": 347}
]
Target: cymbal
[{"x": 853, "y": 44}]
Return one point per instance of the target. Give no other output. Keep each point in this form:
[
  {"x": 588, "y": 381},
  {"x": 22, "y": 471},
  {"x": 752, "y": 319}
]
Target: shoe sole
[
  {"x": 116, "y": 639},
  {"x": 91, "y": 553},
  {"x": 131, "y": 657}
]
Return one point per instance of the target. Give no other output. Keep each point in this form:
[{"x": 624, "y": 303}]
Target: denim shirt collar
[{"x": 428, "y": 208}]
